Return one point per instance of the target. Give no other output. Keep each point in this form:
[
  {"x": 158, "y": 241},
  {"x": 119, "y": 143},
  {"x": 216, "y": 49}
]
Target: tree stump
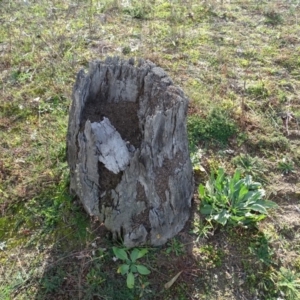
[{"x": 128, "y": 150}]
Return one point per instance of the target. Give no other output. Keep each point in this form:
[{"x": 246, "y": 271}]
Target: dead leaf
[{"x": 171, "y": 282}]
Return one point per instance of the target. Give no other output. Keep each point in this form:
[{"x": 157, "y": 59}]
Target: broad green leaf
[
  {"x": 237, "y": 219},
  {"x": 209, "y": 187},
  {"x": 130, "y": 280},
  {"x": 133, "y": 268},
  {"x": 123, "y": 269},
  {"x": 254, "y": 196},
  {"x": 222, "y": 201},
  {"x": 251, "y": 218},
  {"x": 222, "y": 217},
  {"x": 237, "y": 175},
  {"x": 231, "y": 189},
  {"x": 248, "y": 180},
  {"x": 220, "y": 179},
  {"x": 120, "y": 253},
  {"x": 258, "y": 207},
  {"x": 143, "y": 270},
  {"x": 206, "y": 209},
  {"x": 218, "y": 186},
  {"x": 241, "y": 207},
  {"x": 248, "y": 198},
  {"x": 242, "y": 192},
  {"x": 142, "y": 252},
  {"x": 221, "y": 174},
  {"x": 134, "y": 254},
  {"x": 254, "y": 186},
  {"x": 267, "y": 203},
  {"x": 201, "y": 190}
]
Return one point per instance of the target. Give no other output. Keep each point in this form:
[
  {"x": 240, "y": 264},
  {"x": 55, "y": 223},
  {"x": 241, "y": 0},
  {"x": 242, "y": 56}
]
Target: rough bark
[{"x": 128, "y": 150}]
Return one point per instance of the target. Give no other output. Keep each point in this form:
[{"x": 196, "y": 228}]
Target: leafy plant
[
  {"x": 275, "y": 140},
  {"x": 94, "y": 276},
  {"x": 236, "y": 200},
  {"x": 202, "y": 229},
  {"x": 53, "y": 280},
  {"x": 131, "y": 267},
  {"x": 286, "y": 166},
  {"x": 262, "y": 250},
  {"x": 5, "y": 291},
  {"x": 143, "y": 289},
  {"x": 176, "y": 247},
  {"x": 250, "y": 166},
  {"x": 273, "y": 18},
  {"x": 212, "y": 256},
  {"x": 287, "y": 282},
  {"x": 138, "y": 9}
]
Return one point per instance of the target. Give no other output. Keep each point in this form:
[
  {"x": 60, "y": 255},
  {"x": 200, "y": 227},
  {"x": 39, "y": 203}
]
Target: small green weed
[
  {"x": 287, "y": 283},
  {"x": 274, "y": 141},
  {"x": 236, "y": 200},
  {"x": 211, "y": 255},
  {"x": 126, "y": 50},
  {"x": 258, "y": 91},
  {"x": 273, "y": 18},
  {"x": 5, "y": 291},
  {"x": 94, "y": 280},
  {"x": 216, "y": 128},
  {"x": 53, "y": 280},
  {"x": 130, "y": 267},
  {"x": 202, "y": 228},
  {"x": 94, "y": 276},
  {"x": 286, "y": 166},
  {"x": 143, "y": 289},
  {"x": 261, "y": 248},
  {"x": 176, "y": 247},
  {"x": 138, "y": 9},
  {"x": 250, "y": 166}
]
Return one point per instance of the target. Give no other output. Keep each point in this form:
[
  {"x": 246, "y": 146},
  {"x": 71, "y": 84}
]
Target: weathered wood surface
[{"x": 128, "y": 150}]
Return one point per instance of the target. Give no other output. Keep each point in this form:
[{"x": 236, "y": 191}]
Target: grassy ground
[{"x": 238, "y": 62}]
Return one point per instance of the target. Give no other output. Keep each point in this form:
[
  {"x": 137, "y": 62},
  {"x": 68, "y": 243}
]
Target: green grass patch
[{"x": 215, "y": 129}]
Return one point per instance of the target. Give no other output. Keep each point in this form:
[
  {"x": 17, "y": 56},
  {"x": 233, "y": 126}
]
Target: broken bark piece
[{"x": 128, "y": 150}]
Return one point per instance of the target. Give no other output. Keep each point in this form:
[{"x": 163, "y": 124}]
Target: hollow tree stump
[{"x": 128, "y": 150}]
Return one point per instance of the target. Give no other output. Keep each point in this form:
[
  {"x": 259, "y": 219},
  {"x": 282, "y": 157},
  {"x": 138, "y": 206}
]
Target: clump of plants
[
  {"x": 233, "y": 200},
  {"x": 130, "y": 267},
  {"x": 273, "y": 18},
  {"x": 138, "y": 9},
  {"x": 275, "y": 140},
  {"x": 286, "y": 166},
  {"x": 287, "y": 283},
  {"x": 213, "y": 257},
  {"x": 260, "y": 247},
  {"x": 175, "y": 247},
  {"x": 216, "y": 128},
  {"x": 250, "y": 166},
  {"x": 202, "y": 229},
  {"x": 258, "y": 91}
]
